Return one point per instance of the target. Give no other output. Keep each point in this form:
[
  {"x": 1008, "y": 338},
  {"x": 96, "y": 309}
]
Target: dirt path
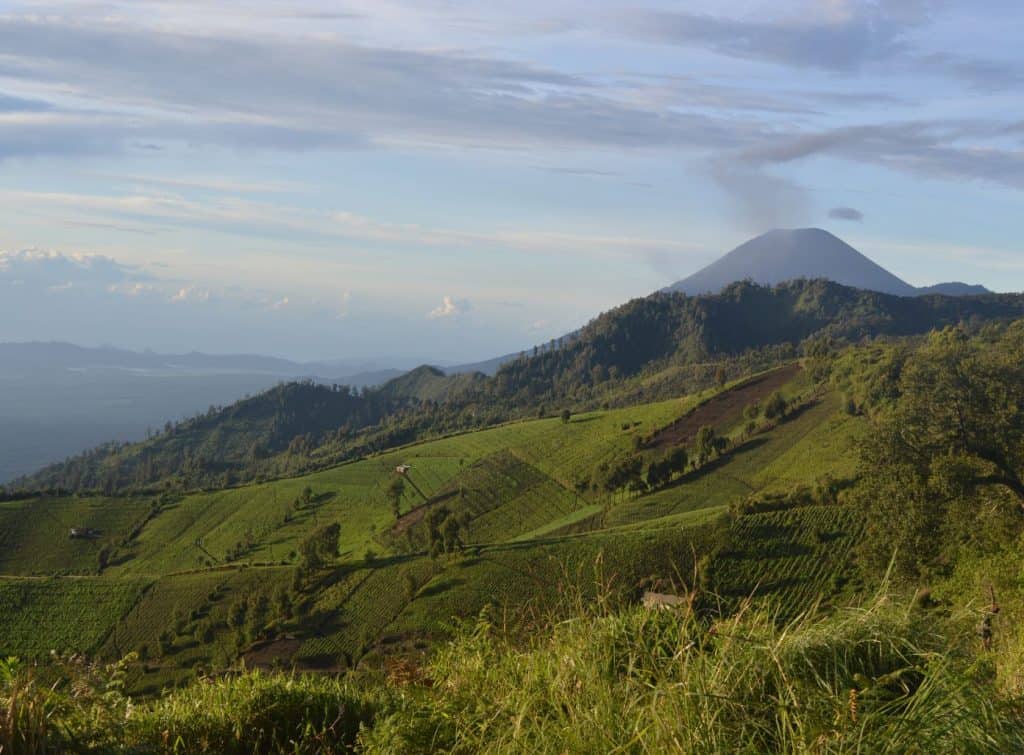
[
  {"x": 411, "y": 517},
  {"x": 723, "y": 408}
]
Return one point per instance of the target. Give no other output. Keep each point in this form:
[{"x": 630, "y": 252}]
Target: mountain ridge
[
  {"x": 785, "y": 254},
  {"x": 674, "y": 340}
]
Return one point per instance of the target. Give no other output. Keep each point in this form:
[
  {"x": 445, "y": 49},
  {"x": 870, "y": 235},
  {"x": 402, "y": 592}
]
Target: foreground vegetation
[{"x": 887, "y": 677}]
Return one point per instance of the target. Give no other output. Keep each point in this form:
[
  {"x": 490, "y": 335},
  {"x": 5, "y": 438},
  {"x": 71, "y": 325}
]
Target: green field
[
  {"x": 787, "y": 559},
  {"x": 65, "y": 614},
  {"x": 34, "y": 534},
  {"x": 535, "y": 537},
  {"x": 816, "y": 442}
]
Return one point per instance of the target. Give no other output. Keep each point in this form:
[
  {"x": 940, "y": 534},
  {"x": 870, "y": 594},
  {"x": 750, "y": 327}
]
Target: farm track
[{"x": 724, "y": 407}]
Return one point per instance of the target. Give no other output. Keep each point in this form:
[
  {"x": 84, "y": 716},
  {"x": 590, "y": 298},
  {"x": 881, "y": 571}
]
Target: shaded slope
[
  {"x": 791, "y": 254},
  {"x": 788, "y": 254}
]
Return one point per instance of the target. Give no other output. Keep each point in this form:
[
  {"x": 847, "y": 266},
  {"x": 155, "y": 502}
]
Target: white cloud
[
  {"x": 131, "y": 288},
  {"x": 40, "y": 269},
  {"x": 191, "y": 294},
  {"x": 449, "y": 308}
]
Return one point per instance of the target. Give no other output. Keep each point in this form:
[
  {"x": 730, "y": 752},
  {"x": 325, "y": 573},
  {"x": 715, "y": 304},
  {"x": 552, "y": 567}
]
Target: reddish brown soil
[
  {"x": 265, "y": 654},
  {"x": 408, "y": 519},
  {"x": 723, "y": 408}
]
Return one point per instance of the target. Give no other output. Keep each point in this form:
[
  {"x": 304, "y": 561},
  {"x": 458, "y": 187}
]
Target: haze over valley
[{"x": 59, "y": 399}]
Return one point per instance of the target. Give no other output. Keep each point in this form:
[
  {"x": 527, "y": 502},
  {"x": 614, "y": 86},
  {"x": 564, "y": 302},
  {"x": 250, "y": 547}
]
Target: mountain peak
[{"x": 784, "y": 254}]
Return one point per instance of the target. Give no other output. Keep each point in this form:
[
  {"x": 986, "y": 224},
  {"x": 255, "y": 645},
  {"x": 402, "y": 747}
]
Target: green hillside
[
  {"x": 749, "y": 493},
  {"x": 649, "y": 349},
  {"x": 35, "y": 532},
  {"x": 485, "y": 517}
]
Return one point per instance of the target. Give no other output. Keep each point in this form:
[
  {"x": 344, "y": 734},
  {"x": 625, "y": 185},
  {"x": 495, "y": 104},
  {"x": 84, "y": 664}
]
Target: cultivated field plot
[
  {"x": 260, "y": 524},
  {"x": 725, "y": 408},
  {"x": 156, "y": 610},
  {"x": 178, "y": 604},
  {"x": 569, "y": 453},
  {"x": 801, "y": 450},
  {"x": 346, "y": 631},
  {"x": 66, "y": 614},
  {"x": 499, "y": 498},
  {"x": 34, "y": 534},
  {"x": 547, "y": 577},
  {"x": 787, "y": 559}
]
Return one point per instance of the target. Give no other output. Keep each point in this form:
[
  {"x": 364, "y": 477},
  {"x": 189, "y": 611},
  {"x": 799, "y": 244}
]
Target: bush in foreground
[
  {"x": 874, "y": 680},
  {"x": 878, "y": 679}
]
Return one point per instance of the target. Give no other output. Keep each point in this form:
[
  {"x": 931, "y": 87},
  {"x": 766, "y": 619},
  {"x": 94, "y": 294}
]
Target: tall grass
[
  {"x": 245, "y": 714},
  {"x": 874, "y": 680},
  {"x": 879, "y": 679}
]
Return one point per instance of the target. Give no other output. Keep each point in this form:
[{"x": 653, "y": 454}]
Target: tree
[
  {"x": 283, "y": 604},
  {"x": 451, "y": 534},
  {"x": 775, "y": 406},
  {"x": 627, "y": 473},
  {"x": 395, "y": 492},
  {"x": 678, "y": 459},
  {"x": 566, "y": 416},
  {"x": 409, "y": 582},
  {"x": 321, "y": 547},
  {"x": 659, "y": 472},
  {"x": 945, "y": 466},
  {"x": 165, "y": 642},
  {"x": 705, "y": 445},
  {"x": 236, "y": 614}
]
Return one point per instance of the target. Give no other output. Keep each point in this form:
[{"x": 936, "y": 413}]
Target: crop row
[
  {"x": 788, "y": 558},
  {"x": 69, "y": 614}
]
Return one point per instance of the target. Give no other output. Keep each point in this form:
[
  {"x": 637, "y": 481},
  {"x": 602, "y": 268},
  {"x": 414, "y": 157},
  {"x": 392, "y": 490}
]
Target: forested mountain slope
[{"x": 648, "y": 348}]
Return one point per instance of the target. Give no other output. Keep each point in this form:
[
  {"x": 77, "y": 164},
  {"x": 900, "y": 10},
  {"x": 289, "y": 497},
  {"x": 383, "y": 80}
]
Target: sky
[{"x": 448, "y": 181}]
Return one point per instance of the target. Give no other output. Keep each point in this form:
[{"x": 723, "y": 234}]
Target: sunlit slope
[
  {"x": 814, "y": 443},
  {"x": 35, "y": 533},
  {"x": 533, "y": 533},
  {"x": 260, "y": 523}
]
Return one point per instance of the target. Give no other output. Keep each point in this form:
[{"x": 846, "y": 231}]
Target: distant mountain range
[
  {"x": 791, "y": 254},
  {"x": 58, "y": 398},
  {"x": 31, "y": 357}
]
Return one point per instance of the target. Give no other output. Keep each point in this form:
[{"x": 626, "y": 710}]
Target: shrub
[{"x": 880, "y": 679}]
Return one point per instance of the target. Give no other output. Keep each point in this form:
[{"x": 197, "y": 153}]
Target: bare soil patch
[
  {"x": 414, "y": 516},
  {"x": 723, "y": 408},
  {"x": 267, "y": 654}
]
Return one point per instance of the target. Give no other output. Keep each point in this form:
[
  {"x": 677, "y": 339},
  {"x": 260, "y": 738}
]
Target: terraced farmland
[
  {"x": 814, "y": 443},
  {"x": 34, "y": 533},
  {"x": 513, "y": 489},
  {"x": 347, "y": 630},
  {"x": 787, "y": 559},
  {"x": 499, "y": 497},
  {"x": 545, "y": 576},
  {"x": 67, "y": 614}
]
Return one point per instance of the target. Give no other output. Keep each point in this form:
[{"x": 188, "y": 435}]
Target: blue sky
[{"x": 444, "y": 181}]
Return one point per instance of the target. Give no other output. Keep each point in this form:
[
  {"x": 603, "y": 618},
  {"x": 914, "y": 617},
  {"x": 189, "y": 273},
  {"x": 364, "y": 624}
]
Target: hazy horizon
[
  {"x": 368, "y": 362},
  {"x": 321, "y": 180}
]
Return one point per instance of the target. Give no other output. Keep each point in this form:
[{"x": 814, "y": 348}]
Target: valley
[{"x": 762, "y": 489}]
